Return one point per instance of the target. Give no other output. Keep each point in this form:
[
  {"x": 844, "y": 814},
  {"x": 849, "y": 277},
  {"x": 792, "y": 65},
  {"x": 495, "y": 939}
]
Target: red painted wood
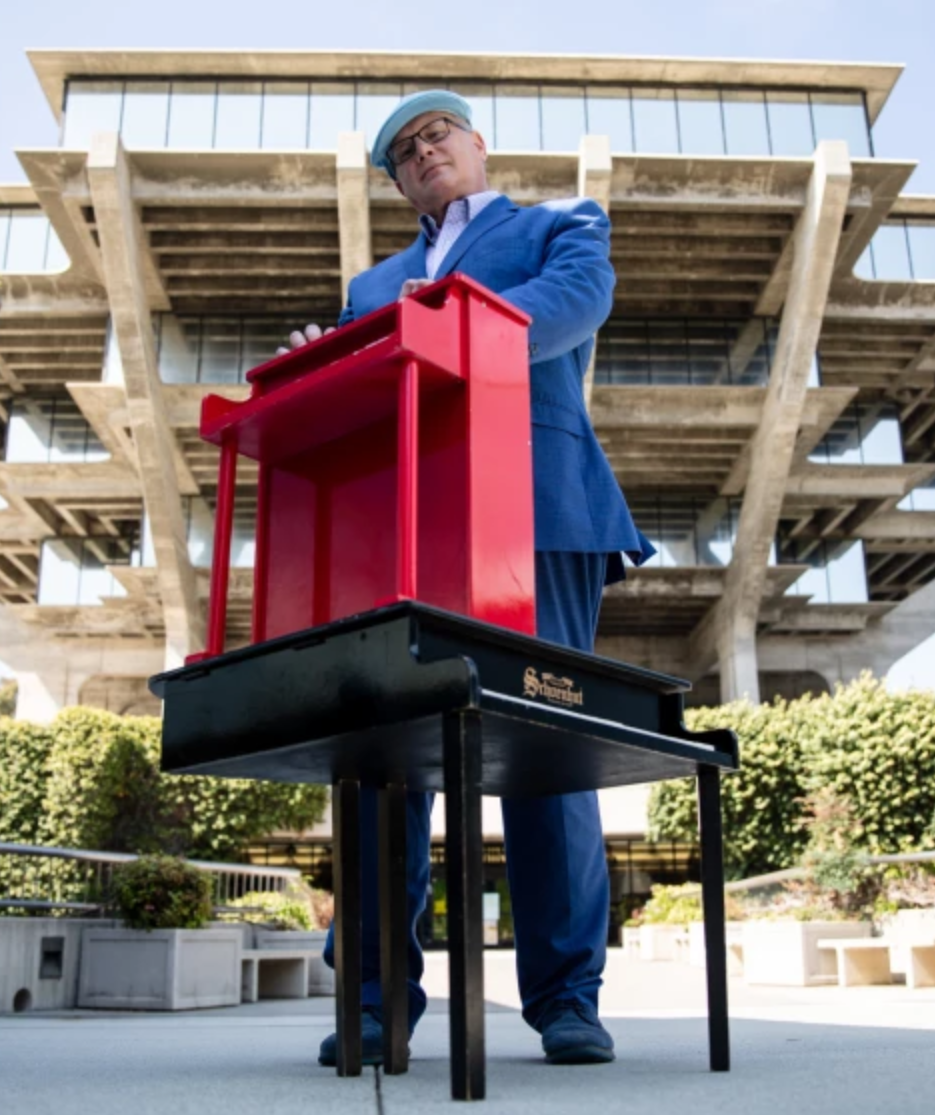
[
  {"x": 395, "y": 461},
  {"x": 221, "y": 553}
]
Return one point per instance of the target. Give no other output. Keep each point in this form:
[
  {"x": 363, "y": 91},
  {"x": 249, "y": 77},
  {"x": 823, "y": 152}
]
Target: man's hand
[
  {"x": 410, "y": 286},
  {"x": 299, "y": 338}
]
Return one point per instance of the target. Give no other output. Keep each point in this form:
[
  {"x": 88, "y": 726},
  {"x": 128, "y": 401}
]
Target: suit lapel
[
  {"x": 498, "y": 211},
  {"x": 412, "y": 259}
]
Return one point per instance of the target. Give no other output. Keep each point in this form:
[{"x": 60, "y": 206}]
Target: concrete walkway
[{"x": 821, "y": 1050}]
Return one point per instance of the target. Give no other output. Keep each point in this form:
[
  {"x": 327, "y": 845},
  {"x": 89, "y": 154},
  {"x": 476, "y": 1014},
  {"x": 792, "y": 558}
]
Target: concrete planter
[
  {"x": 320, "y": 976},
  {"x": 786, "y": 953},
  {"x": 659, "y": 942},
  {"x": 733, "y": 936},
  {"x": 39, "y": 962},
  {"x": 167, "y": 969},
  {"x": 630, "y": 940}
]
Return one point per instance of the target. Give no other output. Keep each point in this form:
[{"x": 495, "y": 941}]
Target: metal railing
[
  {"x": 773, "y": 878},
  {"x": 85, "y": 888}
]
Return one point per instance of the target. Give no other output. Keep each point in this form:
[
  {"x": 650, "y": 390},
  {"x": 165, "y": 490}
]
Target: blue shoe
[
  {"x": 573, "y": 1035},
  {"x": 371, "y": 1030}
]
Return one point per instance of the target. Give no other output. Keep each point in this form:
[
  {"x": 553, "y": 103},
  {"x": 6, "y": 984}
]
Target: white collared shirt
[{"x": 459, "y": 215}]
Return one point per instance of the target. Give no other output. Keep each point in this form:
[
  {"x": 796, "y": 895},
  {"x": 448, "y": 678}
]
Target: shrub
[
  {"x": 162, "y": 892},
  {"x": 91, "y": 779},
  {"x": 288, "y": 909},
  {"x": 869, "y": 747}
]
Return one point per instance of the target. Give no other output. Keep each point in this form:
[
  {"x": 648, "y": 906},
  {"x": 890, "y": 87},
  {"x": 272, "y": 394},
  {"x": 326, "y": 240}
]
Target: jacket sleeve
[
  {"x": 572, "y": 296},
  {"x": 346, "y": 316}
]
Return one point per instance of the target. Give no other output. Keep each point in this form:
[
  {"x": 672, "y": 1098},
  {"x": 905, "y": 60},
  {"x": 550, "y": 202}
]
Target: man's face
[{"x": 439, "y": 173}]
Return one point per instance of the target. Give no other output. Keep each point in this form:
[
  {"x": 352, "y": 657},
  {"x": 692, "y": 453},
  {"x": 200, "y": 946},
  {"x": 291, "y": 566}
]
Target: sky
[{"x": 891, "y": 31}]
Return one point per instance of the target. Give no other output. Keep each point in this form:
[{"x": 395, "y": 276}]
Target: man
[{"x": 552, "y": 262}]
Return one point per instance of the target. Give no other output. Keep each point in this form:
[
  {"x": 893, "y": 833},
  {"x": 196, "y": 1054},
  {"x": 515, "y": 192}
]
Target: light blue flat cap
[{"x": 429, "y": 100}]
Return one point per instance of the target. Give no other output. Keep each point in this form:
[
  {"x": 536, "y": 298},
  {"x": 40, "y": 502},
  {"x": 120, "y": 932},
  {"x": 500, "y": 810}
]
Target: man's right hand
[{"x": 300, "y": 338}]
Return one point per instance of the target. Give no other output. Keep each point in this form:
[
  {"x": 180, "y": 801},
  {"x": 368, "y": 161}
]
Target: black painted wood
[
  {"x": 394, "y": 924},
  {"x": 345, "y": 806},
  {"x": 464, "y": 854},
  {"x": 712, "y": 890}
]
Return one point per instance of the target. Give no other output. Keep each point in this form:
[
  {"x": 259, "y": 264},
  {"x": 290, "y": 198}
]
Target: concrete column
[
  {"x": 727, "y": 632},
  {"x": 353, "y": 207},
  {"x": 595, "y": 166},
  {"x": 124, "y": 251}
]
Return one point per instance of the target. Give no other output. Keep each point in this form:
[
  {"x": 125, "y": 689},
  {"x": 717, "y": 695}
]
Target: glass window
[
  {"x": 813, "y": 583},
  {"x": 59, "y": 571},
  {"x": 891, "y": 252},
  {"x": 922, "y": 249},
  {"x": 56, "y": 258},
  {"x": 517, "y": 120},
  {"x": 260, "y": 337},
  {"x": 145, "y": 114},
  {"x": 26, "y": 242},
  {"x": 701, "y": 128},
  {"x": 4, "y": 235},
  {"x": 91, "y": 106},
  {"x": 29, "y": 432},
  {"x": 745, "y": 123},
  {"x": 220, "y": 350},
  {"x": 237, "y": 122},
  {"x": 716, "y": 529},
  {"x": 243, "y": 543},
  {"x": 709, "y": 352},
  {"x": 331, "y": 111},
  {"x": 654, "y": 122},
  {"x": 480, "y": 98},
  {"x": 863, "y": 268},
  {"x": 842, "y": 116},
  {"x": 95, "y": 580},
  {"x": 375, "y": 102},
  {"x": 191, "y": 114},
  {"x": 790, "y": 124},
  {"x": 919, "y": 499},
  {"x": 199, "y": 524},
  {"x": 880, "y": 438},
  {"x": 113, "y": 364},
  {"x": 847, "y": 575},
  {"x": 285, "y": 115},
  {"x": 563, "y": 118},
  {"x": 179, "y": 344},
  {"x": 668, "y": 352},
  {"x": 609, "y": 114}
]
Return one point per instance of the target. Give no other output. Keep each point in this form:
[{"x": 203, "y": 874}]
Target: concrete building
[{"x": 765, "y": 387}]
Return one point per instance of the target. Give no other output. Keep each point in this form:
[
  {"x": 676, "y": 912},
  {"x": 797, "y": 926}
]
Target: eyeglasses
[{"x": 431, "y": 133}]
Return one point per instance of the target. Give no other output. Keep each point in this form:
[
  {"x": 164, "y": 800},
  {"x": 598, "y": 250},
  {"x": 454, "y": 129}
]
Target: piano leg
[
  {"x": 464, "y": 855},
  {"x": 345, "y": 804},
  {"x": 712, "y": 898},
  {"x": 394, "y": 917}
]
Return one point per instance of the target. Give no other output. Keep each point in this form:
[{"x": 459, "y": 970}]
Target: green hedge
[
  {"x": 873, "y": 748},
  {"x": 91, "y": 779}
]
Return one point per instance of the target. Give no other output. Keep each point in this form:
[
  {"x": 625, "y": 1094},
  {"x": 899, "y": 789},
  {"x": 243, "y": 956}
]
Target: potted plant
[
  {"x": 163, "y": 957},
  {"x": 295, "y": 918},
  {"x": 832, "y": 900},
  {"x": 664, "y": 920}
]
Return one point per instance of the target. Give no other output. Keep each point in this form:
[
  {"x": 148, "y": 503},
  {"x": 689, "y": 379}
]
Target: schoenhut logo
[{"x": 552, "y": 688}]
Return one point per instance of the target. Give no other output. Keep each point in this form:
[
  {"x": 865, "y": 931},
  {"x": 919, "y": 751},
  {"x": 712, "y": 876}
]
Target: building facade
[{"x": 764, "y": 387}]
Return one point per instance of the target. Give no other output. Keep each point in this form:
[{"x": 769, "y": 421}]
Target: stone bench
[
  {"x": 275, "y": 973},
  {"x": 861, "y": 961},
  {"x": 868, "y": 961}
]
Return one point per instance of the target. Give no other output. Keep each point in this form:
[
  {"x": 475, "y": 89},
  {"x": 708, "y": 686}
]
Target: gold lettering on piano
[{"x": 552, "y": 688}]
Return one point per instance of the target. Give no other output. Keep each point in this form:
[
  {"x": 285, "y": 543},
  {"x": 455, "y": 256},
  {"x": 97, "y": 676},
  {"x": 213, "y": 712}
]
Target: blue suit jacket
[{"x": 550, "y": 261}]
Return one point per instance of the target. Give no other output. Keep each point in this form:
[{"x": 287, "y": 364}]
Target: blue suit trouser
[{"x": 556, "y": 863}]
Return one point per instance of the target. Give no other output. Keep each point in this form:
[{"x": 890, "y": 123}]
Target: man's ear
[{"x": 480, "y": 144}]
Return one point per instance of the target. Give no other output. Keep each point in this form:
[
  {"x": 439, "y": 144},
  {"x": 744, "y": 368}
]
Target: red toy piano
[{"x": 394, "y": 463}]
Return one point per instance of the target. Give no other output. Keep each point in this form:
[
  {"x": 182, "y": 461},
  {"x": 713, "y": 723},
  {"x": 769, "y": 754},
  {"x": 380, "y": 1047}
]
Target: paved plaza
[{"x": 817, "y": 1050}]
